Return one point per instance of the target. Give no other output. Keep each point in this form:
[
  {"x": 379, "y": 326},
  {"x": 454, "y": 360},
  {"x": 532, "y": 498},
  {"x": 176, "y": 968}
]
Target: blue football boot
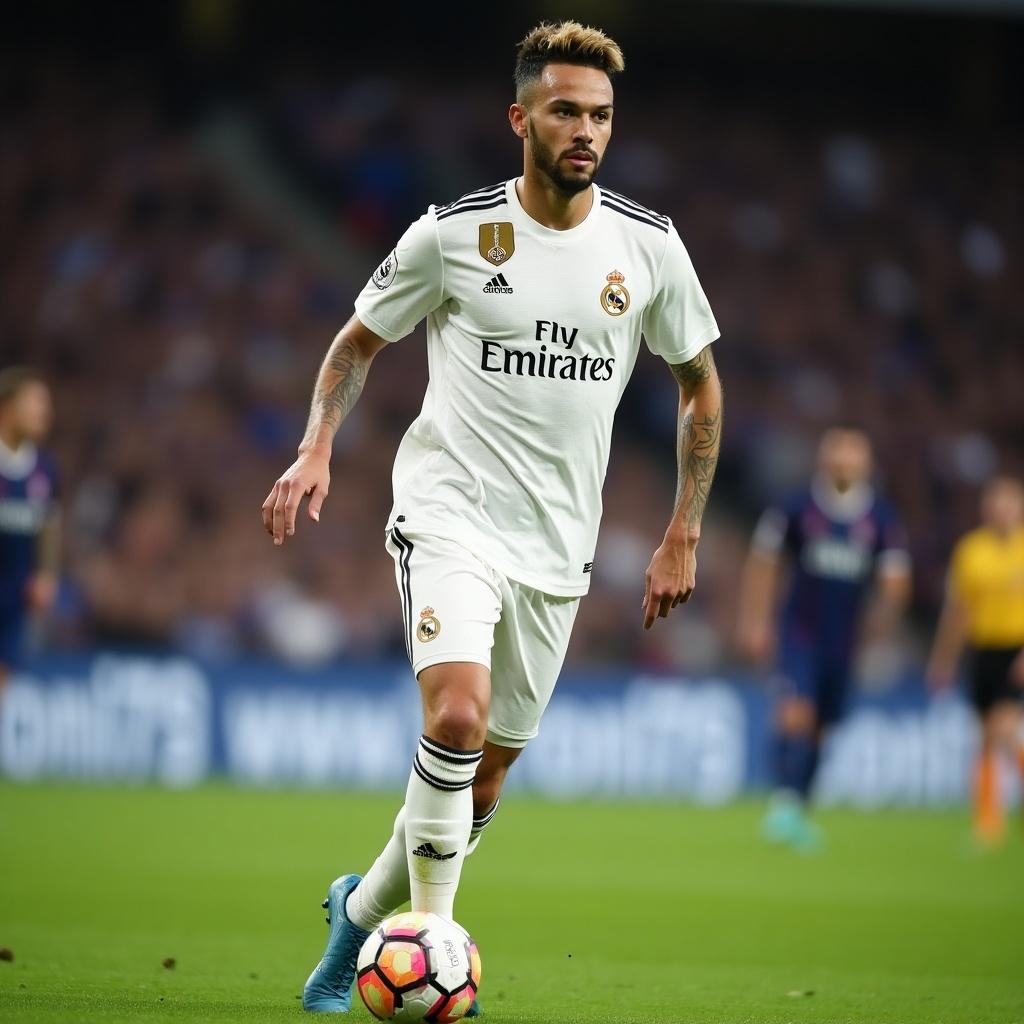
[
  {"x": 475, "y": 1010},
  {"x": 329, "y": 988},
  {"x": 787, "y": 823}
]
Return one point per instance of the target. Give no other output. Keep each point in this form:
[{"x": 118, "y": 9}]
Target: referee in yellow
[{"x": 984, "y": 609}]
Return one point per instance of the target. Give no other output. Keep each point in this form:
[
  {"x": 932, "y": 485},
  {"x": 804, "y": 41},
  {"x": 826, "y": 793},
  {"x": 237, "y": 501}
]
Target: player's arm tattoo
[
  {"x": 338, "y": 386},
  {"x": 699, "y": 435}
]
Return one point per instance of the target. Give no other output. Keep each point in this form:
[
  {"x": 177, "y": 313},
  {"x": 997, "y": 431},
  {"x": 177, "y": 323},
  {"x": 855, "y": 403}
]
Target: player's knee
[
  {"x": 460, "y": 723},
  {"x": 797, "y": 717}
]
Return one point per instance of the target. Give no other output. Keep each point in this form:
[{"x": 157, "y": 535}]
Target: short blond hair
[{"x": 569, "y": 42}]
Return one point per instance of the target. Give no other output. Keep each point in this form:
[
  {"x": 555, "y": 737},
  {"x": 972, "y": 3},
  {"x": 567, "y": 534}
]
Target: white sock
[
  {"x": 385, "y": 887},
  {"x": 438, "y": 818},
  {"x": 479, "y": 824}
]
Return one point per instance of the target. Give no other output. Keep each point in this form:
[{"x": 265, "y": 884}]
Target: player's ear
[{"x": 517, "y": 118}]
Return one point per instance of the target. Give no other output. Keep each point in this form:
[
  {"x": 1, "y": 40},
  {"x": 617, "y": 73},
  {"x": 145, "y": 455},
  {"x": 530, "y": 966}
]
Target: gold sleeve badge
[{"x": 497, "y": 242}]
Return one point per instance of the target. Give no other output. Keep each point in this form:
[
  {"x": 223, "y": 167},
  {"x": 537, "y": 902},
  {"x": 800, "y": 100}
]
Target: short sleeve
[
  {"x": 407, "y": 286},
  {"x": 678, "y": 321},
  {"x": 774, "y": 531},
  {"x": 892, "y": 552}
]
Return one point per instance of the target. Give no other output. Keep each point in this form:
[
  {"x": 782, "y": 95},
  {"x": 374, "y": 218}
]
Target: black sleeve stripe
[
  {"x": 634, "y": 216},
  {"x": 480, "y": 193},
  {"x": 633, "y": 205},
  {"x": 490, "y": 190},
  {"x": 469, "y": 207}
]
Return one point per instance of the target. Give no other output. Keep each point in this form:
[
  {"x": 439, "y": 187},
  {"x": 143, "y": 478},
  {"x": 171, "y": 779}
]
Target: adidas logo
[
  {"x": 498, "y": 285},
  {"x": 427, "y": 849}
]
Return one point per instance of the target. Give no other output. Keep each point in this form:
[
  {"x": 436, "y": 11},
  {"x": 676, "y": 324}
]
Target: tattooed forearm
[
  {"x": 694, "y": 373},
  {"x": 699, "y": 436},
  {"x": 338, "y": 385},
  {"x": 697, "y": 457}
]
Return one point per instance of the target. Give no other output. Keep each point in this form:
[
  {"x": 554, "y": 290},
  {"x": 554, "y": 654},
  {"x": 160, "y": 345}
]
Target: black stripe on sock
[
  {"x": 479, "y": 823},
  {"x": 450, "y": 754},
  {"x": 433, "y": 780}
]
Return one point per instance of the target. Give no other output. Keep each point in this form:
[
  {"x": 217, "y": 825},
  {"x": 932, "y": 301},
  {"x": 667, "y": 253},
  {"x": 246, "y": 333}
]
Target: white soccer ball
[{"x": 418, "y": 967}]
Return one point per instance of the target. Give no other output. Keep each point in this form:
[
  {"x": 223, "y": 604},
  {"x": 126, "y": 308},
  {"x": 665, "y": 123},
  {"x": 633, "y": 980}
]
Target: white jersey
[{"x": 532, "y": 334}]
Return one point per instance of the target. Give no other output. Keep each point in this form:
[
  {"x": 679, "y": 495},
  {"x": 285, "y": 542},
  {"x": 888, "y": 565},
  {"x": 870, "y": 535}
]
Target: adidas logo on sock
[
  {"x": 498, "y": 285},
  {"x": 427, "y": 850}
]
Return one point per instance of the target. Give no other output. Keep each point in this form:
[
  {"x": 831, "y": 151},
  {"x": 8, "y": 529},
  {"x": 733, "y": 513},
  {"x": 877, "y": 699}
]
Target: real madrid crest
[
  {"x": 614, "y": 297},
  {"x": 497, "y": 242},
  {"x": 385, "y": 273},
  {"x": 429, "y": 626}
]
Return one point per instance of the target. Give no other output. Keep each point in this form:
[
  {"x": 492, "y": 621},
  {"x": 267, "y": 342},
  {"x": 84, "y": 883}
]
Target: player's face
[
  {"x": 1002, "y": 504},
  {"x": 568, "y": 121},
  {"x": 844, "y": 456},
  {"x": 33, "y": 411}
]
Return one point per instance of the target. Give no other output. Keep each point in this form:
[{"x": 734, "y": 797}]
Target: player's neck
[
  {"x": 548, "y": 205},
  {"x": 11, "y": 438},
  {"x": 1004, "y": 531}
]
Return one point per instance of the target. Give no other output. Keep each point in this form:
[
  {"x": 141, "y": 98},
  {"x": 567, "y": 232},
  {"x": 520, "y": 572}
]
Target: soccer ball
[{"x": 418, "y": 967}]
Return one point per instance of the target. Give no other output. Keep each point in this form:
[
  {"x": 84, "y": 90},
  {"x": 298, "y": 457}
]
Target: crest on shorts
[
  {"x": 614, "y": 297},
  {"x": 429, "y": 626},
  {"x": 497, "y": 242}
]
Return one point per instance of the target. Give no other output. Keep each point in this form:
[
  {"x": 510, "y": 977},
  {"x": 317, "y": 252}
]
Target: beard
[{"x": 547, "y": 162}]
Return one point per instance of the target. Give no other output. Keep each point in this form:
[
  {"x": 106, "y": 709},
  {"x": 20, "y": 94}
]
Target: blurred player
[
  {"x": 536, "y": 292},
  {"x": 29, "y": 517},
  {"x": 984, "y": 608},
  {"x": 838, "y": 538}
]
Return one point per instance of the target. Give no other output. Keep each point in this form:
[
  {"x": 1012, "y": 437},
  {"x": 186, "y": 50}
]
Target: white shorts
[{"x": 457, "y": 608}]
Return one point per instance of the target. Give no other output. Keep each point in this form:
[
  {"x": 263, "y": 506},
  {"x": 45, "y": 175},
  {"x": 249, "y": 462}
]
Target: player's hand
[
  {"x": 670, "y": 579},
  {"x": 41, "y": 591},
  {"x": 939, "y": 675},
  {"x": 756, "y": 642},
  {"x": 309, "y": 474}
]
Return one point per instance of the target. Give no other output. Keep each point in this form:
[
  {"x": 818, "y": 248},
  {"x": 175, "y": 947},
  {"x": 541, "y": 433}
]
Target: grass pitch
[{"x": 622, "y": 913}]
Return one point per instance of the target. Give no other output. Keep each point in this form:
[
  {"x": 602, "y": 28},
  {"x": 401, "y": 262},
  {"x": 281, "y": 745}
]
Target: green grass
[{"x": 583, "y": 912}]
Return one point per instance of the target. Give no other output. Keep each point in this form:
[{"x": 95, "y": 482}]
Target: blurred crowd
[{"x": 855, "y": 275}]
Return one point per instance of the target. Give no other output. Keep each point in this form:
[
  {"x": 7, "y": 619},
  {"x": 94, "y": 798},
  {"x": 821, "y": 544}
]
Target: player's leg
[
  {"x": 989, "y": 823},
  {"x": 795, "y": 747},
  {"x": 490, "y": 778},
  {"x": 386, "y": 885},
  {"x": 1000, "y": 738},
  {"x": 450, "y": 602},
  {"x": 439, "y": 797},
  {"x": 795, "y": 726},
  {"x": 12, "y": 637},
  {"x": 530, "y": 641},
  {"x": 992, "y": 697}
]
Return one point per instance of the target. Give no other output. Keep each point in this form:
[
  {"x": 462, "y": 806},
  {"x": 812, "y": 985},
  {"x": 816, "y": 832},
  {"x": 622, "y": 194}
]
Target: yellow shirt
[{"x": 987, "y": 575}]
